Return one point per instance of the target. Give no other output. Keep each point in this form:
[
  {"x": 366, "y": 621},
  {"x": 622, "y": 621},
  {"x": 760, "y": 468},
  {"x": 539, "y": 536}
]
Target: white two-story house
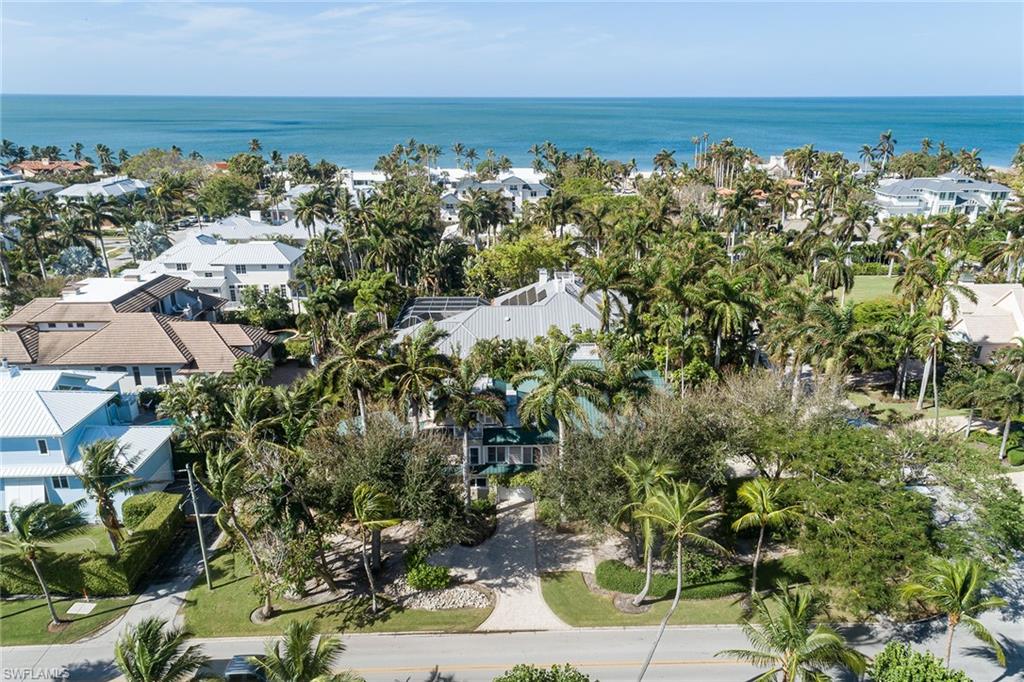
[
  {"x": 519, "y": 186},
  {"x": 49, "y": 415},
  {"x": 948, "y": 193},
  {"x": 224, "y": 269}
]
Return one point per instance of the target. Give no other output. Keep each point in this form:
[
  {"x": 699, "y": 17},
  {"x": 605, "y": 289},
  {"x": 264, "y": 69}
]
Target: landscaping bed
[{"x": 226, "y": 610}]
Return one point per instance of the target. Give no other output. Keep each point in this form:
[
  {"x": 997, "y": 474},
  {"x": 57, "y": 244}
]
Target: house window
[
  {"x": 263, "y": 267},
  {"x": 496, "y": 454},
  {"x": 531, "y": 455},
  {"x": 284, "y": 290},
  {"x": 266, "y": 288},
  {"x": 479, "y": 482},
  {"x": 80, "y": 325},
  {"x": 71, "y": 325},
  {"x": 474, "y": 455},
  {"x": 163, "y": 376},
  {"x": 232, "y": 293},
  {"x": 60, "y": 483},
  {"x": 208, "y": 274},
  {"x": 533, "y": 193},
  {"x": 43, "y": 448},
  {"x": 137, "y": 375},
  {"x": 280, "y": 267},
  {"x": 51, "y": 325},
  {"x": 240, "y": 269},
  {"x": 181, "y": 267}
]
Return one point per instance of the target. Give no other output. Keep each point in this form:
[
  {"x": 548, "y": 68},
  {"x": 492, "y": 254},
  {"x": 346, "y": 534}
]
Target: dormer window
[
  {"x": 239, "y": 269},
  {"x": 181, "y": 267},
  {"x": 42, "y": 446}
]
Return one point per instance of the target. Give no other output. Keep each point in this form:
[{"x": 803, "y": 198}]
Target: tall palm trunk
[
  {"x": 671, "y": 610},
  {"x": 465, "y": 466},
  {"x": 757, "y": 560},
  {"x": 924, "y": 381},
  {"x": 970, "y": 422},
  {"x": 1006, "y": 437},
  {"x": 951, "y": 624},
  {"x": 39, "y": 258},
  {"x": 103, "y": 250},
  {"x": 718, "y": 347},
  {"x": 935, "y": 385},
  {"x": 648, "y": 532},
  {"x": 46, "y": 591},
  {"x": 268, "y": 607},
  {"x": 369, "y": 575},
  {"x": 362, "y": 408}
]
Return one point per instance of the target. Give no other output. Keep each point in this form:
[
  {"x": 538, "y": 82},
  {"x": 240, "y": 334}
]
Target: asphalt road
[{"x": 611, "y": 655}]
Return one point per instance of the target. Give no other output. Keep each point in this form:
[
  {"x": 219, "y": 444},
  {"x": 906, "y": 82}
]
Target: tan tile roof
[
  {"x": 208, "y": 348},
  {"x": 53, "y": 345},
  {"x": 26, "y": 313},
  {"x": 234, "y": 335},
  {"x": 19, "y": 346},
  {"x": 40, "y": 165},
  {"x": 64, "y": 311},
  {"x": 148, "y": 294},
  {"x": 128, "y": 339}
]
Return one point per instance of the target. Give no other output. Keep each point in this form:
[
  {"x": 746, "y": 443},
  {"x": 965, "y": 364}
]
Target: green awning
[{"x": 518, "y": 436}]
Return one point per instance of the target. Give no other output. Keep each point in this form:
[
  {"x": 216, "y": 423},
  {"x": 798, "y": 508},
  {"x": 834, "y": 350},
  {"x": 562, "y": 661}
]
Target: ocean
[{"x": 354, "y": 132}]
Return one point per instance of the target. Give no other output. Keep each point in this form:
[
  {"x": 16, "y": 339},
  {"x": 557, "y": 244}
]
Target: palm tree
[
  {"x": 606, "y": 277},
  {"x": 560, "y": 386},
  {"x": 374, "y": 510},
  {"x": 298, "y": 659},
  {"x": 834, "y": 272},
  {"x": 972, "y": 390},
  {"x": 665, "y": 162},
  {"x": 729, "y": 306},
  {"x": 225, "y": 477},
  {"x": 1004, "y": 396},
  {"x": 460, "y": 400},
  {"x": 682, "y": 511},
  {"x": 255, "y": 146},
  {"x": 312, "y": 207},
  {"x": 931, "y": 339},
  {"x": 835, "y": 340},
  {"x": 784, "y": 641},
  {"x": 763, "y": 498},
  {"x": 95, "y": 211},
  {"x": 355, "y": 360},
  {"x": 954, "y": 587},
  {"x": 418, "y": 368},
  {"x": 108, "y": 470},
  {"x": 473, "y": 215},
  {"x": 38, "y": 523},
  {"x": 148, "y": 652},
  {"x": 886, "y": 147},
  {"x": 644, "y": 477}
]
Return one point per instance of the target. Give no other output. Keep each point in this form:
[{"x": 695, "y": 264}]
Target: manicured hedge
[
  {"x": 98, "y": 574},
  {"x": 136, "y": 508},
  {"x": 616, "y": 576}
]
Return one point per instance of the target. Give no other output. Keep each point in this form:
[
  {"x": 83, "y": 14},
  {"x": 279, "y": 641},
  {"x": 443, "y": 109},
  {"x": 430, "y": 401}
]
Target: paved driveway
[{"x": 507, "y": 564}]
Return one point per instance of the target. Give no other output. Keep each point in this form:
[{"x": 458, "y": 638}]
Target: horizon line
[{"x": 508, "y": 97}]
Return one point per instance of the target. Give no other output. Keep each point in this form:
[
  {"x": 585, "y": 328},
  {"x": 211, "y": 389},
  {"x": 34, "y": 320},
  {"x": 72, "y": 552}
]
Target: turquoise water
[{"x": 355, "y": 131}]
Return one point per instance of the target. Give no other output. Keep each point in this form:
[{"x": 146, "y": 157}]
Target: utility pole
[{"x": 199, "y": 525}]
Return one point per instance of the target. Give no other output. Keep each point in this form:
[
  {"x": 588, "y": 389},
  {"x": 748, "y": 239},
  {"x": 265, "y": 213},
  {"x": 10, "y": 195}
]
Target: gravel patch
[{"x": 456, "y": 597}]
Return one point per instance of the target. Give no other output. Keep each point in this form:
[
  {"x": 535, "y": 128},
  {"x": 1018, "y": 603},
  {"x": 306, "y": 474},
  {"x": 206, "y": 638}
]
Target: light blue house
[{"x": 46, "y": 416}]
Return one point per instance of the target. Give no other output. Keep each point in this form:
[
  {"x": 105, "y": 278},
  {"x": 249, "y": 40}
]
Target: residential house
[
  {"x": 237, "y": 228},
  {"x": 518, "y": 186},
  {"x": 117, "y": 187},
  {"x": 554, "y": 300},
  {"x": 948, "y": 193},
  {"x": 995, "y": 321},
  {"x": 50, "y": 415},
  {"x": 224, "y": 269},
  {"x": 33, "y": 167},
  {"x": 144, "y": 334},
  {"x": 284, "y": 210}
]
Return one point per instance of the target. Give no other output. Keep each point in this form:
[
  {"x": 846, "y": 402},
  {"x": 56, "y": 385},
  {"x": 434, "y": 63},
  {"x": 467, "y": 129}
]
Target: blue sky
[{"x": 513, "y": 49}]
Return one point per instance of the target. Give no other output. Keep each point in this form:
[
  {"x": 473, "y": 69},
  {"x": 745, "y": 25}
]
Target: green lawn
[
  {"x": 225, "y": 611},
  {"x": 24, "y": 621},
  {"x": 868, "y": 287},
  {"x": 93, "y": 539},
  {"x": 882, "y": 400},
  {"x": 568, "y": 596}
]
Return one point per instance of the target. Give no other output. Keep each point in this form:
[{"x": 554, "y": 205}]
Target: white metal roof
[
  {"x": 136, "y": 441},
  {"x": 29, "y": 414},
  {"x": 250, "y": 253},
  {"x": 31, "y": 379}
]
